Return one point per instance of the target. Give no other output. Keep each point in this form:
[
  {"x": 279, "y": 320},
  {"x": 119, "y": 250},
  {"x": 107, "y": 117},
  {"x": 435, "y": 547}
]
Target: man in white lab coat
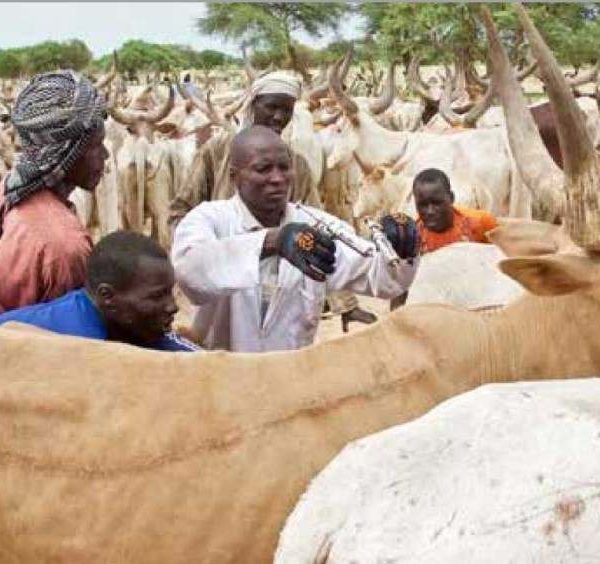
[{"x": 227, "y": 257}]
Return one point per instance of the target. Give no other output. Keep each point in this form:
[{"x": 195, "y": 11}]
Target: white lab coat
[{"x": 216, "y": 254}]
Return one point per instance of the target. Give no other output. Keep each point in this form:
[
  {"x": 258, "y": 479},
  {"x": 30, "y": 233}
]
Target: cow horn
[
  {"x": 248, "y": 68},
  {"x": 586, "y": 77},
  {"x": 366, "y": 169},
  {"x": 123, "y": 116},
  {"x": 524, "y": 138},
  {"x": 381, "y": 104},
  {"x": 582, "y": 177},
  {"x": 328, "y": 120},
  {"x": 235, "y": 106},
  {"x": 104, "y": 81},
  {"x": 163, "y": 111},
  {"x": 322, "y": 89},
  {"x": 346, "y": 63},
  {"x": 416, "y": 83},
  {"x": 182, "y": 91},
  {"x": 527, "y": 70},
  {"x": 470, "y": 117},
  {"x": 347, "y": 105}
]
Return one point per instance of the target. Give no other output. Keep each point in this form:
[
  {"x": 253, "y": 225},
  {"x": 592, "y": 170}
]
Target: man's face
[
  {"x": 89, "y": 167},
  {"x": 273, "y": 111},
  {"x": 263, "y": 180},
  {"x": 434, "y": 204},
  {"x": 145, "y": 310}
]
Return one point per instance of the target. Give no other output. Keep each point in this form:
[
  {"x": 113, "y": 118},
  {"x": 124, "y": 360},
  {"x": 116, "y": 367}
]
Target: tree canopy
[
  {"x": 46, "y": 56},
  {"x": 438, "y": 31},
  {"x": 270, "y": 27}
]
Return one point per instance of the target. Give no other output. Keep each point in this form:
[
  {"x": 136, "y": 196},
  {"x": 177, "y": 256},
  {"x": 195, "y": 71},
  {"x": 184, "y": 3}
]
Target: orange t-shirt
[{"x": 469, "y": 225}]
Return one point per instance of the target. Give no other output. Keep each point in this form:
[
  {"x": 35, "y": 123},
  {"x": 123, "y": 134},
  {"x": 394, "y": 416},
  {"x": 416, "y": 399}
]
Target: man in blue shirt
[{"x": 128, "y": 297}]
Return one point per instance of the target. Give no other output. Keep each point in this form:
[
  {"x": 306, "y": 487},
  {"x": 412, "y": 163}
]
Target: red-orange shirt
[
  {"x": 43, "y": 251},
  {"x": 469, "y": 225}
]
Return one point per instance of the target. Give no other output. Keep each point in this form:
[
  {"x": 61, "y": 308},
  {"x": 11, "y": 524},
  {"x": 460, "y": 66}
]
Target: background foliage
[{"x": 437, "y": 32}]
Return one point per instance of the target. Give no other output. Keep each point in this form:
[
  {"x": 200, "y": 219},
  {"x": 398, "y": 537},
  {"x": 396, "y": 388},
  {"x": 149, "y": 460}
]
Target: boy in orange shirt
[{"x": 441, "y": 223}]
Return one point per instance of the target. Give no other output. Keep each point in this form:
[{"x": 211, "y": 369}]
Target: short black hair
[
  {"x": 432, "y": 176},
  {"x": 116, "y": 257}
]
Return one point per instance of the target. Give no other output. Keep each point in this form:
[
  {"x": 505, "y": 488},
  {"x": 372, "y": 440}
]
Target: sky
[{"x": 105, "y": 26}]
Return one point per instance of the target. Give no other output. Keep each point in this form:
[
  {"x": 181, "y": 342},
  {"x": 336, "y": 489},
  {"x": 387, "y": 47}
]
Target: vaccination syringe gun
[{"x": 334, "y": 231}]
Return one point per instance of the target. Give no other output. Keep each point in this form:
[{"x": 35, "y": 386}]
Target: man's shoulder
[
  {"x": 206, "y": 213},
  {"x": 48, "y": 224},
  {"x": 472, "y": 213},
  {"x": 72, "y": 314},
  {"x": 175, "y": 343}
]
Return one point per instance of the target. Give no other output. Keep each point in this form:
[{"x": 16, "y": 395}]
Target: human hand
[
  {"x": 308, "y": 249},
  {"x": 403, "y": 233}
]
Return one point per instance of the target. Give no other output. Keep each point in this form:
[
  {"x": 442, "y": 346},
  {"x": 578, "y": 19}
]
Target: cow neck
[{"x": 390, "y": 145}]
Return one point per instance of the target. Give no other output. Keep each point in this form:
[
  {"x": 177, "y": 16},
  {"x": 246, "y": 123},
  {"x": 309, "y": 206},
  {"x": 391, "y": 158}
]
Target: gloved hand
[
  {"x": 402, "y": 232},
  {"x": 307, "y": 249}
]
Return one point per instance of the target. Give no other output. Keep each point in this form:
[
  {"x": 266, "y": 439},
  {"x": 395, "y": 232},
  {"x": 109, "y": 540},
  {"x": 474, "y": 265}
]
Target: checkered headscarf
[{"x": 55, "y": 116}]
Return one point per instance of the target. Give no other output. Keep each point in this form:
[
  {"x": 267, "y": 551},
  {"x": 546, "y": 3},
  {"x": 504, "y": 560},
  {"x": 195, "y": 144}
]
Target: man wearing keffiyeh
[{"x": 59, "y": 120}]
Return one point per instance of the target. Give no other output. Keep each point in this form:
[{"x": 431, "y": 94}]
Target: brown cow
[{"x": 111, "y": 453}]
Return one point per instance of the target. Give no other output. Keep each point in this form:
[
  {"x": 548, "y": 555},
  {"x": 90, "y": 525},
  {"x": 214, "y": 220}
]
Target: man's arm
[
  {"x": 369, "y": 276},
  {"x": 207, "y": 266}
]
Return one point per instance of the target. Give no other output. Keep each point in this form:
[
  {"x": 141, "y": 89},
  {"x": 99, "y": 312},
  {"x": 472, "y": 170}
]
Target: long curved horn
[
  {"x": 182, "y": 91},
  {"x": 527, "y": 70},
  {"x": 382, "y": 103},
  {"x": 235, "y": 106},
  {"x": 468, "y": 119},
  {"x": 123, "y": 116},
  {"x": 346, "y": 63},
  {"x": 104, "y": 81},
  {"x": 348, "y": 106},
  {"x": 248, "y": 68},
  {"x": 586, "y": 77},
  {"x": 416, "y": 83},
  {"x": 163, "y": 111},
  {"x": 328, "y": 120},
  {"x": 521, "y": 75},
  {"x": 534, "y": 164},
  {"x": 322, "y": 89},
  {"x": 582, "y": 177}
]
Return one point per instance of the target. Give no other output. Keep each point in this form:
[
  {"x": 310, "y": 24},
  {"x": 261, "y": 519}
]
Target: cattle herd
[{"x": 135, "y": 456}]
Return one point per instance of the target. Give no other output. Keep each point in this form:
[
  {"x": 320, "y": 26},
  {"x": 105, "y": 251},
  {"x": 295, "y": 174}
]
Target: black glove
[
  {"x": 402, "y": 232},
  {"x": 307, "y": 249}
]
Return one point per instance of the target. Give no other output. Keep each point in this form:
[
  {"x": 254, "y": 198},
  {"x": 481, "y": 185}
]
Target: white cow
[
  {"x": 463, "y": 275},
  {"x": 479, "y": 163},
  {"x": 504, "y": 473}
]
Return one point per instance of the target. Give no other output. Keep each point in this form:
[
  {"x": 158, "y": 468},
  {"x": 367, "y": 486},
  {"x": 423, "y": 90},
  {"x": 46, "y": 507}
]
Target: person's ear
[
  {"x": 233, "y": 174},
  {"x": 105, "y": 296}
]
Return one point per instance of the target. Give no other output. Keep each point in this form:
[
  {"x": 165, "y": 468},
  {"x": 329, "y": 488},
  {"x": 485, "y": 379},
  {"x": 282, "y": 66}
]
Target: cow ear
[
  {"x": 551, "y": 275},
  {"x": 524, "y": 238}
]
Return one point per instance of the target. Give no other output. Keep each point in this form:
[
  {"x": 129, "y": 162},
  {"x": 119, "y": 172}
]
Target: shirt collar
[{"x": 250, "y": 223}]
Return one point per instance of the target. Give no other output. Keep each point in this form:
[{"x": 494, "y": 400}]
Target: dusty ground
[{"x": 328, "y": 329}]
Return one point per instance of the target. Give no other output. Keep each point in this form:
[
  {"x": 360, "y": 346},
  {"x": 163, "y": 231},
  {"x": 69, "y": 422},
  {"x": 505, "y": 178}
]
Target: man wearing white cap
[{"x": 270, "y": 104}]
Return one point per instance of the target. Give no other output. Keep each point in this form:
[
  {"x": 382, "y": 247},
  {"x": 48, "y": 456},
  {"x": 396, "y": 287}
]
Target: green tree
[
  {"x": 271, "y": 26},
  {"x": 11, "y": 63},
  {"x": 443, "y": 32}
]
